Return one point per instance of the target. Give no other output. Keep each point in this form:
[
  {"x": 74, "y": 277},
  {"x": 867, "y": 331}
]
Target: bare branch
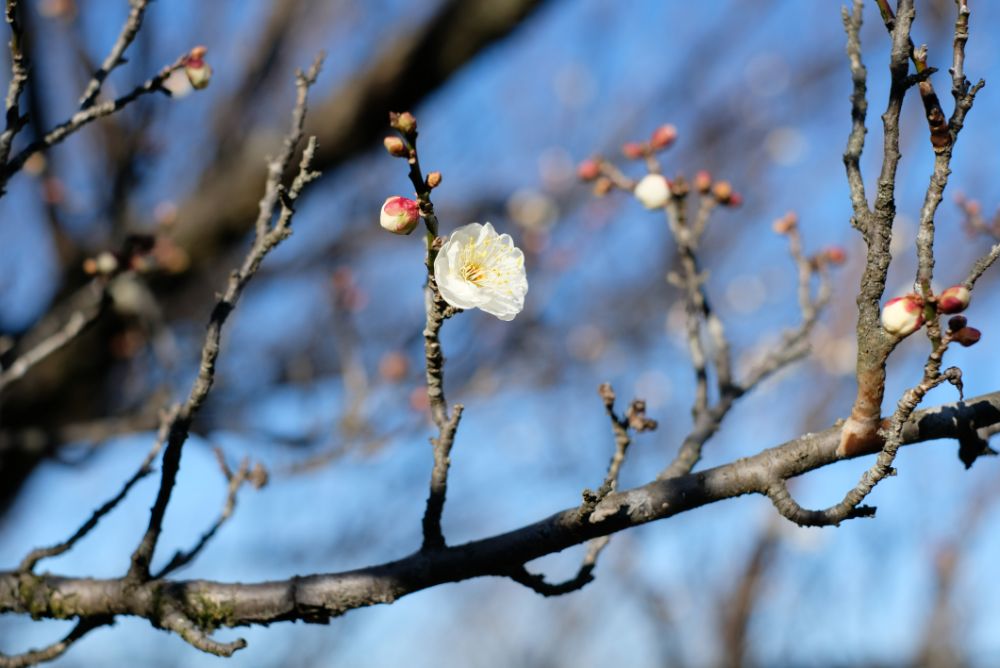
[
  {"x": 859, "y": 112},
  {"x": 29, "y": 562},
  {"x": 114, "y": 58},
  {"x": 262, "y": 245},
  {"x": 18, "y": 80},
  {"x": 634, "y": 419},
  {"x": 86, "y": 116},
  {"x": 317, "y": 598},
  {"x": 257, "y": 476},
  {"x": 77, "y": 323},
  {"x": 55, "y": 650}
]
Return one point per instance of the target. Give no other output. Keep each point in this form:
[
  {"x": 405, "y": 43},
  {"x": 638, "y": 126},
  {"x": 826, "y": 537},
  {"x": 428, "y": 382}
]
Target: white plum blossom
[
  {"x": 478, "y": 268},
  {"x": 653, "y": 190}
]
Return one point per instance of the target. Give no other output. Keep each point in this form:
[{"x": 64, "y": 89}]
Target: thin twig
[
  {"x": 634, "y": 419},
  {"x": 18, "y": 80},
  {"x": 29, "y": 562},
  {"x": 75, "y": 325},
  {"x": 114, "y": 58},
  {"x": 234, "y": 481},
  {"x": 86, "y": 116},
  {"x": 437, "y": 311},
  {"x": 57, "y": 649},
  {"x": 262, "y": 245}
]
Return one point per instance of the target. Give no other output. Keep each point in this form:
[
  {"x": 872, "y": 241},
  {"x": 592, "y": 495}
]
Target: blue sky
[{"x": 759, "y": 95}]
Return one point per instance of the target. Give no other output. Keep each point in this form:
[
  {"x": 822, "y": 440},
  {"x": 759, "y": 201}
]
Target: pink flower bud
[
  {"x": 734, "y": 200},
  {"x": 663, "y": 136},
  {"x": 703, "y": 182},
  {"x": 722, "y": 191},
  {"x": 954, "y": 300},
  {"x": 653, "y": 191},
  {"x": 633, "y": 150},
  {"x": 198, "y": 72},
  {"x": 399, "y": 215},
  {"x": 395, "y": 147},
  {"x": 967, "y": 336},
  {"x": 835, "y": 255},
  {"x": 588, "y": 170},
  {"x": 902, "y": 316}
]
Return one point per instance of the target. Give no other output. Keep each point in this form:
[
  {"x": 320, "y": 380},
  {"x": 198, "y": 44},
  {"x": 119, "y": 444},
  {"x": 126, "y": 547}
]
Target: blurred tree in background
[{"x": 125, "y": 212}]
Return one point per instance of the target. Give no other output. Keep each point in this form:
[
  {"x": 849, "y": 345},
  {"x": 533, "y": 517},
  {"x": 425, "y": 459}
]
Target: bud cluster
[{"x": 904, "y": 315}]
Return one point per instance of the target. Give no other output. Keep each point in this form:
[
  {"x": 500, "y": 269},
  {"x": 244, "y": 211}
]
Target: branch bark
[{"x": 317, "y": 598}]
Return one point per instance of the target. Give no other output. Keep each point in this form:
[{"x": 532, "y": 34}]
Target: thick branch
[{"x": 316, "y": 598}]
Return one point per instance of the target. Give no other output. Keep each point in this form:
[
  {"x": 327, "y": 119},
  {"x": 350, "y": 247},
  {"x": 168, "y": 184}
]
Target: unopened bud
[
  {"x": 404, "y": 122},
  {"x": 679, "y": 187},
  {"x": 663, "y": 136},
  {"x": 399, "y": 215},
  {"x": 588, "y": 170},
  {"x": 954, "y": 300},
  {"x": 835, "y": 255},
  {"x": 198, "y": 72},
  {"x": 633, "y": 150},
  {"x": 786, "y": 223},
  {"x": 902, "y": 316},
  {"x": 433, "y": 180},
  {"x": 395, "y": 147},
  {"x": 653, "y": 191},
  {"x": 602, "y": 186},
  {"x": 967, "y": 336},
  {"x": 957, "y": 322},
  {"x": 734, "y": 200},
  {"x": 722, "y": 191},
  {"x": 703, "y": 182}
]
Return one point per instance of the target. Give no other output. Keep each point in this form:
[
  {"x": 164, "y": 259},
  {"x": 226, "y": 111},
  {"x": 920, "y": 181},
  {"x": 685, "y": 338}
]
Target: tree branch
[{"x": 317, "y": 598}]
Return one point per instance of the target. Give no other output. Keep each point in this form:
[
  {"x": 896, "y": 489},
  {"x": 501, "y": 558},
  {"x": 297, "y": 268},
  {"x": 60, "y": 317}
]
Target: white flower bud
[
  {"x": 902, "y": 316},
  {"x": 653, "y": 191}
]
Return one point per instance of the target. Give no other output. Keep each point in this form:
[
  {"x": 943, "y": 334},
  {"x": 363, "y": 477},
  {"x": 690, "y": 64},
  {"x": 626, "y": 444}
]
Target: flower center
[{"x": 473, "y": 272}]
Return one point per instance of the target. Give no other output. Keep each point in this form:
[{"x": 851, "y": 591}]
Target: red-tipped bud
[
  {"x": 679, "y": 187},
  {"x": 663, "y": 136},
  {"x": 588, "y": 170},
  {"x": 957, "y": 322},
  {"x": 703, "y": 182},
  {"x": 198, "y": 72},
  {"x": 835, "y": 255},
  {"x": 433, "y": 180},
  {"x": 602, "y": 186},
  {"x": 786, "y": 223},
  {"x": 722, "y": 191},
  {"x": 902, "y": 316},
  {"x": 399, "y": 215},
  {"x": 653, "y": 191},
  {"x": 734, "y": 200},
  {"x": 967, "y": 336},
  {"x": 395, "y": 147},
  {"x": 633, "y": 150},
  {"x": 404, "y": 122},
  {"x": 954, "y": 300}
]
